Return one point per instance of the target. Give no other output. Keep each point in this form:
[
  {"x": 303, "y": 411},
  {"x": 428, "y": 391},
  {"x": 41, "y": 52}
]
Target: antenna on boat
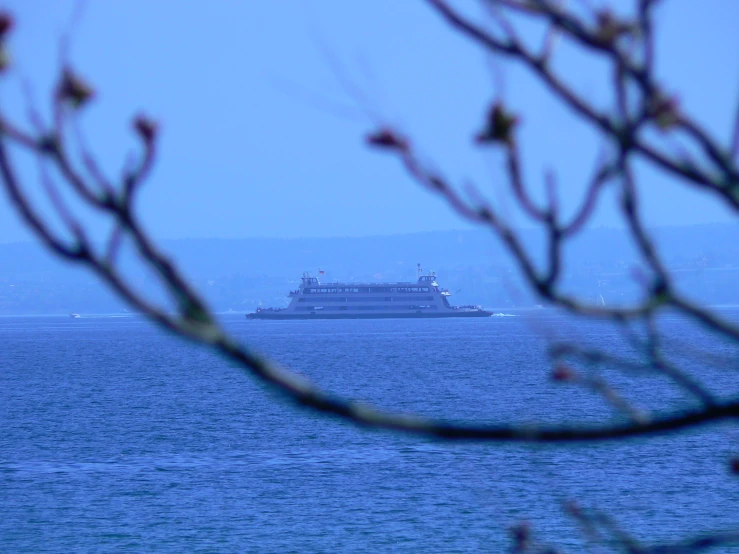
[{"x": 418, "y": 276}]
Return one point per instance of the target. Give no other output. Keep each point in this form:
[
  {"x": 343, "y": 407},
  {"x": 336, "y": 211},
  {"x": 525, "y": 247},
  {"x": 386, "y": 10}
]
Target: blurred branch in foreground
[{"x": 636, "y": 128}]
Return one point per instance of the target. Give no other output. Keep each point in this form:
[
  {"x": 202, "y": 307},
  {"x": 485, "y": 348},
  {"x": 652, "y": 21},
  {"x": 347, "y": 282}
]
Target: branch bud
[
  {"x": 664, "y": 110},
  {"x": 73, "y": 89},
  {"x": 563, "y": 373},
  {"x": 48, "y": 144},
  {"x": 609, "y": 28},
  {"x": 6, "y": 24},
  {"x": 573, "y": 508},
  {"x": 387, "y": 138},
  {"x": 498, "y": 127},
  {"x": 521, "y": 536},
  {"x": 145, "y": 128}
]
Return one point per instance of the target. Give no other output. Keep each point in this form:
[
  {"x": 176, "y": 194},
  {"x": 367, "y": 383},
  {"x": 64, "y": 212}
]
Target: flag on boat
[{"x": 321, "y": 272}]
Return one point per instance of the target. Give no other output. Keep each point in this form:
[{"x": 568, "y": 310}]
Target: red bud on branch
[
  {"x": 145, "y": 128},
  {"x": 563, "y": 373},
  {"x": 6, "y": 24},
  {"x": 664, "y": 110},
  {"x": 73, "y": 89}
]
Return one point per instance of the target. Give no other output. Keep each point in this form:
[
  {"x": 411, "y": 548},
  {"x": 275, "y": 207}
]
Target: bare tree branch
[
  {"x": 725, "y": 187},
  {"x": 628, "y": 46}
]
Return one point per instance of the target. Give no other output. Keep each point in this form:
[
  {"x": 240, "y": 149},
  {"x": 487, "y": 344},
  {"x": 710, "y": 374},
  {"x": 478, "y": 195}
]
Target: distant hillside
[{"x": 240, "y": 274}]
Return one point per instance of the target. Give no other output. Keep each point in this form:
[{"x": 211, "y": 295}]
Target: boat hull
[{"x": 283, "y": 316}]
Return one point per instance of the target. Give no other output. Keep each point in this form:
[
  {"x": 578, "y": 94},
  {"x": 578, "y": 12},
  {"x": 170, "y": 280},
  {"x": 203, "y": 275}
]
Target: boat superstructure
[{"x": 316, "y": 300}]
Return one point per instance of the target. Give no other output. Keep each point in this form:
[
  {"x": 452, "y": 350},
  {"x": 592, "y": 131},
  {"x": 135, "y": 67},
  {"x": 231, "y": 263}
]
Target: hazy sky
[{"x": 253, "y": 142}]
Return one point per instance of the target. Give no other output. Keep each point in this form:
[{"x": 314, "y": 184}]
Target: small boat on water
[
  {"x": 316, "y": 300},
  {"x": 75, "y": 316}
]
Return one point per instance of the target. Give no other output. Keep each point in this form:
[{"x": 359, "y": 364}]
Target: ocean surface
[{"x": 117, "y": 437}]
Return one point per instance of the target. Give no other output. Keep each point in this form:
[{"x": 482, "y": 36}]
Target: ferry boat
[{"x": 316, "y": 300}]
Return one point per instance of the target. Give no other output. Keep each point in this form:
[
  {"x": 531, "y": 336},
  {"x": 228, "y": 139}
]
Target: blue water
[{"x": 116, "y": 437}]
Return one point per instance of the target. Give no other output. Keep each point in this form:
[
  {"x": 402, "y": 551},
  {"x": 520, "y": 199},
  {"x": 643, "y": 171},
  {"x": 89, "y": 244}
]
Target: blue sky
[{"x": 261, "y": 136}]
